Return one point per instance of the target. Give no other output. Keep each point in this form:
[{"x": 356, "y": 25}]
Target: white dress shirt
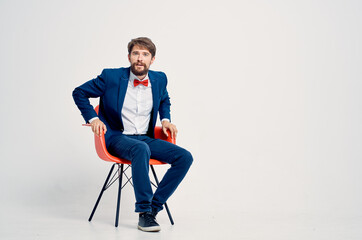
[{"x": 137, "y": 107}]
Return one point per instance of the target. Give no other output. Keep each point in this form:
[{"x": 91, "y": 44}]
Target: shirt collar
[{"x": 132, "y": 77}]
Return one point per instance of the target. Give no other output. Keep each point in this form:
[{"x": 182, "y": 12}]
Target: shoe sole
[{"x": 150, "y": 229}]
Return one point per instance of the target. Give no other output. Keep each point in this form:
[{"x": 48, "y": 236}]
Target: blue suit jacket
[{"x": 111, "y": 87}]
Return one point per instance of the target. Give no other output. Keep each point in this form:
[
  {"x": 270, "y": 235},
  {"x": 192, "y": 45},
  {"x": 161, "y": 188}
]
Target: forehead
[{"x": 139, "y": 48}]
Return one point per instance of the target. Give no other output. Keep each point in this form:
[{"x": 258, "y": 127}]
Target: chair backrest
[{"x": 103, "y": 153}]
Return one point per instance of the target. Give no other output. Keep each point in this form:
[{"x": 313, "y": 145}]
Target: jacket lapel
[
  {"x": 123, "y": 84},
  {"x": 155, "y": 92}
]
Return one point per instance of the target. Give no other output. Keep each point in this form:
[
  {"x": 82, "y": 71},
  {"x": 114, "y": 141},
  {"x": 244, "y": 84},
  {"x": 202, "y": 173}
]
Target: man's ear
[
  {"x": 153, "y": 59},
  {"x": 129, "y": 58}
]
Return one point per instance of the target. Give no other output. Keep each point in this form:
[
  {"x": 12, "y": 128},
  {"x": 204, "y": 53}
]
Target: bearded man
[{"x": 130, "y": 100}]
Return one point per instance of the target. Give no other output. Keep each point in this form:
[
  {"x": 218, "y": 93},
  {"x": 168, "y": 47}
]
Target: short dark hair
[{"x": 143, "y": 42}]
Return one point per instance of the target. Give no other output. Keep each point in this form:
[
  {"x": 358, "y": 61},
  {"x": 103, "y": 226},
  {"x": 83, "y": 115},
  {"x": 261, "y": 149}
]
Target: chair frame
[{"x": 121, "y": 170}]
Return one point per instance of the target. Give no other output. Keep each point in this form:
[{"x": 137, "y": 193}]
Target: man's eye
[
  {"x": 135, "y": 53},
  {"x": 146, "y": 54}
]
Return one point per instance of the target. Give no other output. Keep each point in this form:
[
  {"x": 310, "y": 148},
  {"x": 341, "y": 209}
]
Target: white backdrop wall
[{"x": 266, "y": 95}]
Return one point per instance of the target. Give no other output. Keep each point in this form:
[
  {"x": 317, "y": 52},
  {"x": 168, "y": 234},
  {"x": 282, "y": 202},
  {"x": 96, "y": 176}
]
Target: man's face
[{"x": 140, "y": 59}]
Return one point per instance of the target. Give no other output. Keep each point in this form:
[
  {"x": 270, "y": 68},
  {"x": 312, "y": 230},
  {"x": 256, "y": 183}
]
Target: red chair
[{"x": 102, "y": 152}]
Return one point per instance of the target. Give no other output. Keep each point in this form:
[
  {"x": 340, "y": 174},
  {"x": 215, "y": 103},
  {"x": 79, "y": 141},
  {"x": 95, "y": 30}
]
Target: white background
[{"x": 265, "y": 94}]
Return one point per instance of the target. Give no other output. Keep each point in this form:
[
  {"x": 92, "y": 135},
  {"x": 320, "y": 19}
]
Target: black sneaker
[{"x": 147, "y": 222}]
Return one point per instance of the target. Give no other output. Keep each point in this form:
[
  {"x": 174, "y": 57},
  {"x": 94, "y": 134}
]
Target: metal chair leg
[
  {"x": 168, "y": 211},
  {"x": 101, "y": 193},
  {"x": 120, "y": 174}
]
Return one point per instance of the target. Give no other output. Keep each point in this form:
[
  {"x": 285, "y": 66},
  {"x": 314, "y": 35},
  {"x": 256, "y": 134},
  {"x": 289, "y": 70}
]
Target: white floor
[
  {"x": 70, "y": 222},
  {"x": 53, "y": 211}
]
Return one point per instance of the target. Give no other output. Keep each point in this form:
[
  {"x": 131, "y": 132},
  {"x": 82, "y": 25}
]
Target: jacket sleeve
[
  {"x": 92, "y": 89},
  {"x": 165, "y": 104}
]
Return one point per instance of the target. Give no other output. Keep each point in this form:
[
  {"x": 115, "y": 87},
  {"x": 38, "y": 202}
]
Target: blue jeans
[{"x": 139, "y": 149}]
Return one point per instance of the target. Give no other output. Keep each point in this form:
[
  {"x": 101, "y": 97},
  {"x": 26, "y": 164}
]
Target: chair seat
[{"x": 106, "y": 156}]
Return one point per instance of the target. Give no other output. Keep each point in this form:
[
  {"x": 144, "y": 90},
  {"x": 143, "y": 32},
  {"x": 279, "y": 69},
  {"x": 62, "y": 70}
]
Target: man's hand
[
  {"x": 166, "y": 125},
  {"x": 98, "y": 127}
]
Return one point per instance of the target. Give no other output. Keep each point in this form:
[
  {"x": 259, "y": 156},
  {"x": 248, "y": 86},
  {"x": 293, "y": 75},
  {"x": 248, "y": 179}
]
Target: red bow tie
[{"x": 137, "y": 82}]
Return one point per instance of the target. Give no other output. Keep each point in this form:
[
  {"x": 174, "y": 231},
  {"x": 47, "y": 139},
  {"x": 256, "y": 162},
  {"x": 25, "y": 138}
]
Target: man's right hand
[{"x": 98, "y": 127}]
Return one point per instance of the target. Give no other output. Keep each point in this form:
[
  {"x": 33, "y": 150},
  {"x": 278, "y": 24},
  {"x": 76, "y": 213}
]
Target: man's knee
[{"x": 187, "y": 158}]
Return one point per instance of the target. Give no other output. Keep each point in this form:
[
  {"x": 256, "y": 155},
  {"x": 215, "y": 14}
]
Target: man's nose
[{"x": 140, "y": 57}]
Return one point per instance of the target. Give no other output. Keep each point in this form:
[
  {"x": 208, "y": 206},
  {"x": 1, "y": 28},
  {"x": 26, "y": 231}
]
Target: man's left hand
[{"x": 166, "y": 125}]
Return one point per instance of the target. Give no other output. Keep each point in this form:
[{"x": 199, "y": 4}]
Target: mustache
[{"x": 139, "y": 63}]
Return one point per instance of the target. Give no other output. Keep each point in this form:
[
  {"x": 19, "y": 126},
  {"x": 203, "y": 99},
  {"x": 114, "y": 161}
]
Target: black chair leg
[
  {"x": 120, "y": 174},
  {"x": 169, "y": 214},
  {"x": 168, "y": 211},
  {"x": 100, "y": 195}
]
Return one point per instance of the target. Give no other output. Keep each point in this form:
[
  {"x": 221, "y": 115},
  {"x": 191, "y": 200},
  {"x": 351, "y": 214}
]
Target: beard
[{"x": 139, "y": 73}]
